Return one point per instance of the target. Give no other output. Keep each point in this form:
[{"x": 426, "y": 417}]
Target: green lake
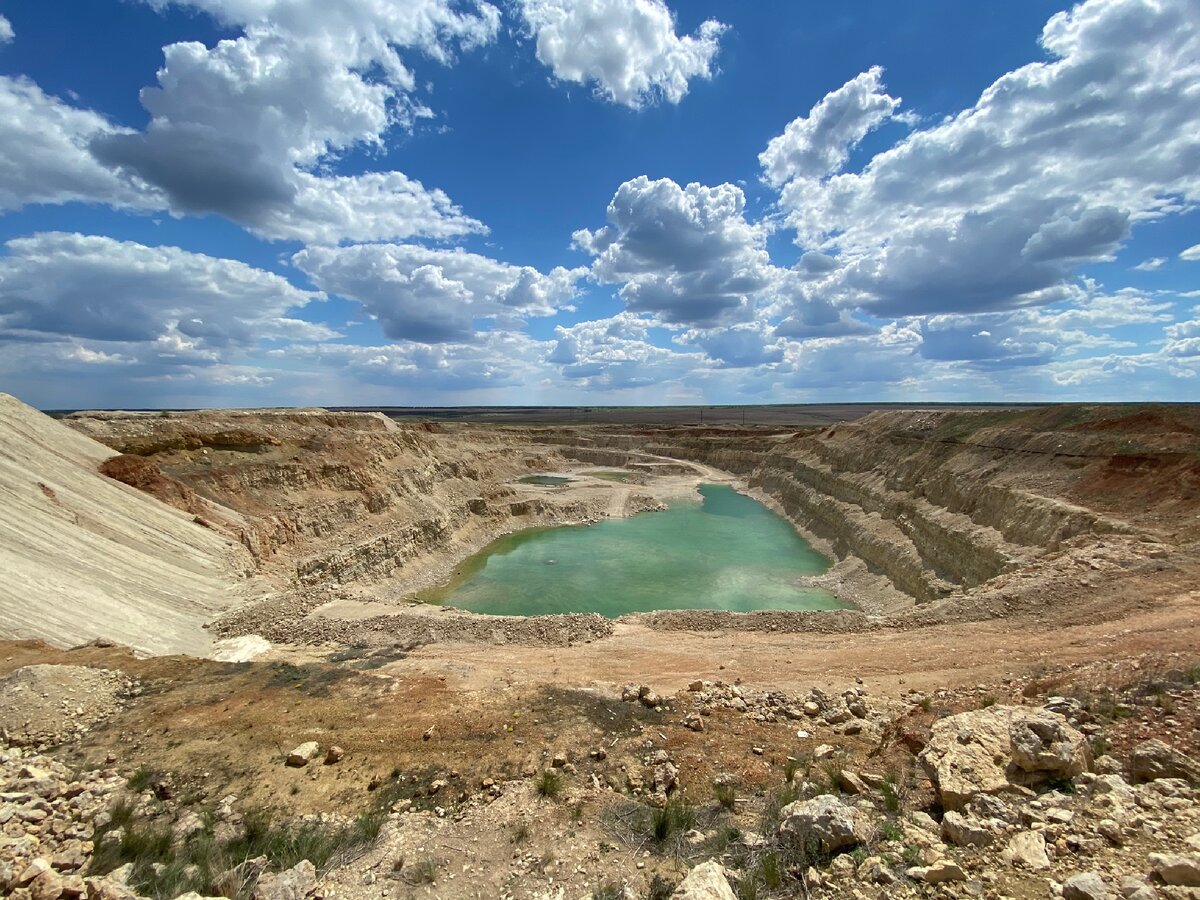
[
  {"x": 552, "y": 480},
  {"x": 726, "y": 552}
]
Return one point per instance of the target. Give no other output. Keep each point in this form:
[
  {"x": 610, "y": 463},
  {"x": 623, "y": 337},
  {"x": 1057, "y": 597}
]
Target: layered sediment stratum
[
  {"x": 929, "y": 515},
  {"x": 941, "y": 503}
]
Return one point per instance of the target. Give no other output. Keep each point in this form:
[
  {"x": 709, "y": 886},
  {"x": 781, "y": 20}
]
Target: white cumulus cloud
[
  {"x": 435, "y": 295},
  {"x": 6, "y": 30},
  {"x": 1149, "y": 265},
  {"x": 57, "y": 286},
  {"x": 244, "y": 128},
  {"x": 44, "y": 156},
  {"x": 684, "y": 254},
  {"x": 998, "y": 206},
  {"x": 1191, "y": 254},
  {"x": 817, "y": 144},
  {"x": 628, "y": 49}
]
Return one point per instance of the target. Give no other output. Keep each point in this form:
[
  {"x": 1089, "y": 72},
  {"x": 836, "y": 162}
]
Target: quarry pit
[{"x": 259, "y": 576}]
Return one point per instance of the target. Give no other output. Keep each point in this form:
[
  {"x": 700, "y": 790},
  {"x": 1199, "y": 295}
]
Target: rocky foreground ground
[{"x": 1079, "y": 782}]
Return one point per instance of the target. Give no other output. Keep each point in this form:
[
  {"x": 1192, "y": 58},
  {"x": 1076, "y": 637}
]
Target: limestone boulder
[
  {"x": 961, "y": 831},
  {"x": 1027, "y": 849},
  {"x": 941, "y": 871},
  {"x": 1151, "y": 760},
  {"x": 706, "y": 881},
  {"x": 999, "y": 748},
  {"x": 1086, "y": 886},
  {"x": 825, "y": 821},
  {"x": 1181, "y": 869},
  {"x": 295, "y": 883},
  {"x": 303, "y": 754}
]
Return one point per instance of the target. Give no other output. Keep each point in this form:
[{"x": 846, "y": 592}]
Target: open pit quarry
[{"x": 219, "y": 676}]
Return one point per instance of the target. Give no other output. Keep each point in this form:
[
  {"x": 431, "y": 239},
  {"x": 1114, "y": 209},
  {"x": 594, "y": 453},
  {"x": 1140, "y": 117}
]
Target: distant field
[
  {"x": 797, "y": 415},
  {"x": 801, "y": 415}
]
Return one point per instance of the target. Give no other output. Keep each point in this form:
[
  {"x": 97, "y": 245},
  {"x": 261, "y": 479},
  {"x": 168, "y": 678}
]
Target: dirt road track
[{"x": 938, "y": 656}]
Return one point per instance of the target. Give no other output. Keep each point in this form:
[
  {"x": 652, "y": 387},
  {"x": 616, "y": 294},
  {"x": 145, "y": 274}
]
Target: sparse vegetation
[
  {"x": 790, "y": 768},
  {"x": 891, "y": 831},
  {"x": 660, "y": 888},
  {"x": 549, "y": 784},
  {"x": 673, "y": 818},
  {"x": 164, "y": 867},
  {"x": 608, "y": 890},
  {"x": 140, "y": 779},
  {"x": 422, "y": 872},
  {"x": 725, "y": 793}
]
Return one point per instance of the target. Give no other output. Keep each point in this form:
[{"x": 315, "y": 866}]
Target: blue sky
[{"x": 431, "y": 202}]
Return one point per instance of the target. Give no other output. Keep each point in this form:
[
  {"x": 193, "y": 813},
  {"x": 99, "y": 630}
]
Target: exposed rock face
[
  {"x": 1154, "y": 759},
  {"x": 993, "y": 750},
  {"x": 706, "y": 881},
  {"x": 825, "y": 820},
  {"x": 944, "y": 503}
]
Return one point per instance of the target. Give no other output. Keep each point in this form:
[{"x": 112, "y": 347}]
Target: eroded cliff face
[
  {"x": 922, "y": 510},
  {"x": 325, "y": 498}
]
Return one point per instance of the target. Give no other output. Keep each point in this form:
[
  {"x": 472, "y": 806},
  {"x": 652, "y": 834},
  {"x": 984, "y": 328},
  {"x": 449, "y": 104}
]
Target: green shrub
[
  {"x": 549, "y": 784},
  {"x": 675, "y": 817}
]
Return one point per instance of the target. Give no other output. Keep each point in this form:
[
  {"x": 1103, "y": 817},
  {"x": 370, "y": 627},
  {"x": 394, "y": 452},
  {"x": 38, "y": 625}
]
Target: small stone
[
  {"x": 938, "y": 872},
  {"x": 32, "y": 871},
  {"x": 851, "y": 783},
  {"x": 334, "y": 755},
  {"x": 874, "y": 870}
]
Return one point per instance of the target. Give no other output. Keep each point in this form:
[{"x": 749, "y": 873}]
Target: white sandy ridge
[{"x": 83, "y": 556}]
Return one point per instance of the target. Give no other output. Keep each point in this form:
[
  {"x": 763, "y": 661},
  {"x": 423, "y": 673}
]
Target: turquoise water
[
  {"x": 545, "y": 479},
  {"x": 728, "y": 552}
]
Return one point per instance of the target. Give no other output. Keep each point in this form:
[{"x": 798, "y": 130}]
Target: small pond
[
  {"x": 726, "y": 552},
  {"x": 545, "y": 479}
]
